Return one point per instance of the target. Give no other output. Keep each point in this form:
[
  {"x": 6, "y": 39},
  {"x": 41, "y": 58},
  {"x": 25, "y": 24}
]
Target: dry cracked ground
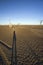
[{"x": 29, "y": 43}]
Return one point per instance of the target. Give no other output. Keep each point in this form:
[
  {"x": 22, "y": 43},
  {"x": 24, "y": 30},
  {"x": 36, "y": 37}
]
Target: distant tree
[{"x": 41, "y": 22}]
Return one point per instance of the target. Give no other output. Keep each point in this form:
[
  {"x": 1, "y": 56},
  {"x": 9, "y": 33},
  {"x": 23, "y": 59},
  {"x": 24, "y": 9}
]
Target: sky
[{"x": 21, "y": 11}]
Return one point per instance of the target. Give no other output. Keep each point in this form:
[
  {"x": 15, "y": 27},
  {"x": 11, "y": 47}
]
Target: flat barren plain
[{"x": 29, "y": 43}]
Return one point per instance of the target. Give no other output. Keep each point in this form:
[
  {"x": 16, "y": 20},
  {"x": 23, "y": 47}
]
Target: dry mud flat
[
  {"x": 38, "y": 32},
  {"x": 29, "y": 43}
]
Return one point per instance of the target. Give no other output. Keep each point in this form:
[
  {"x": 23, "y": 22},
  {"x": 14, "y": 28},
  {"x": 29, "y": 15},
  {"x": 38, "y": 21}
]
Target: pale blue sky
[{"x": 21, "y": 11}]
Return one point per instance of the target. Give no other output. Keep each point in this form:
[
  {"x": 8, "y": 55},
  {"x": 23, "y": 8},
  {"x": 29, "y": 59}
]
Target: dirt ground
[{"x": 29, "y": 42}]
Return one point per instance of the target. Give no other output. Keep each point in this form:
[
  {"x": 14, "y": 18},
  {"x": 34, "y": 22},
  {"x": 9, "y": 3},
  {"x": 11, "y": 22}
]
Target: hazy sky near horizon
[{"x": 21, "y": 11}]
